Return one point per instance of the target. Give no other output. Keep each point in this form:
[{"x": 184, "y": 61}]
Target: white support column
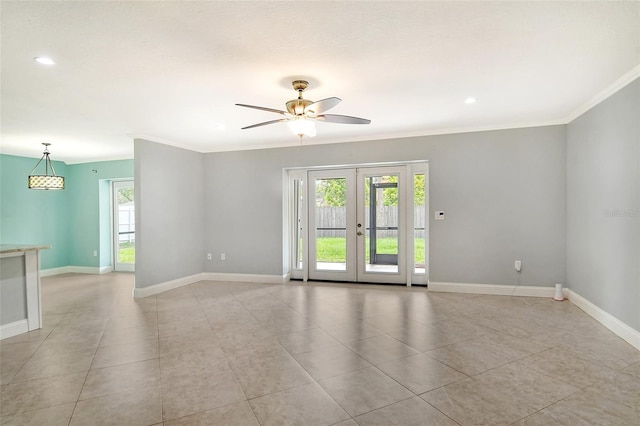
[{"x": 32, "y": 272}]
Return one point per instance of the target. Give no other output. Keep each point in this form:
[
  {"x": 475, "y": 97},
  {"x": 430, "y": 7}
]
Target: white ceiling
[{"x": 172, "y": 71}]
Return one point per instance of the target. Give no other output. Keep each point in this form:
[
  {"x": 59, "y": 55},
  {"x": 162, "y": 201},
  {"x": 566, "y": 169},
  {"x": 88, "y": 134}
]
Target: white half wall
[{"x": 170, "y": 213}]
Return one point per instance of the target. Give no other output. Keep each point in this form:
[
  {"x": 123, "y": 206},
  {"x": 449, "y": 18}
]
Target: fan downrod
[{"x": 297, "y": 106}]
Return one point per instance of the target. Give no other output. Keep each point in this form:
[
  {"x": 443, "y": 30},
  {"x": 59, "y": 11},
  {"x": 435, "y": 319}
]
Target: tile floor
[{"x": 323, "y": 354}]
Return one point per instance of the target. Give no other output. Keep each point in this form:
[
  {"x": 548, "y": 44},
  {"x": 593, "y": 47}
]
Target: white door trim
[{"x": 413, "y": 276}]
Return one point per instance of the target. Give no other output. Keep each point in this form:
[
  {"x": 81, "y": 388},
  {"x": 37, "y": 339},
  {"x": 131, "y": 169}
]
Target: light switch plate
[{"x": 439, "y": 215}]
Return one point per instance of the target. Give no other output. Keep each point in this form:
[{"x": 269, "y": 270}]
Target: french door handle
[{"x": 359, "y": 233}]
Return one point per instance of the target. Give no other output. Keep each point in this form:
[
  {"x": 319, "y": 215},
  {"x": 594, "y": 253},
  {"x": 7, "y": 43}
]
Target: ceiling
[{"x": 172, "y": 71}]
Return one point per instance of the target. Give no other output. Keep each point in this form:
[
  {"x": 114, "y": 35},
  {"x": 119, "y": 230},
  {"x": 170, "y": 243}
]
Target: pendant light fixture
[{"x": 47, "y": 180}]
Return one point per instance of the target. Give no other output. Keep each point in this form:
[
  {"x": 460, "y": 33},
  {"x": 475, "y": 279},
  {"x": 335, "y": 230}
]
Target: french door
[{"x": 357, "y": 224}]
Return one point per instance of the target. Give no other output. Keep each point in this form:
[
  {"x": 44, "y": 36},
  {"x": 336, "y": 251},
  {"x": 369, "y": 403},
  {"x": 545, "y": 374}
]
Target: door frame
[
  {"x": 296, "y": 268},
  {"x": 115, "y": 185}
]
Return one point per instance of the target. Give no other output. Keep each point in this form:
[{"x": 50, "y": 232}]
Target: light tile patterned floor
[{"x": 217, "y": 353}]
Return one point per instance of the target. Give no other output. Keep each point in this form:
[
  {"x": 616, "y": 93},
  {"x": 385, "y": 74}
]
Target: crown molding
[{"x": 612, "y": 89}]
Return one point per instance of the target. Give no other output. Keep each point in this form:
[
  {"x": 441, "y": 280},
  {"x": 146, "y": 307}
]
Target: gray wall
[
  {"x": 169, "y": 213},
  {"x": 13, "y": 290},
  {"x": 603, "y": 205},
  {"x": 503, "y": 193}
]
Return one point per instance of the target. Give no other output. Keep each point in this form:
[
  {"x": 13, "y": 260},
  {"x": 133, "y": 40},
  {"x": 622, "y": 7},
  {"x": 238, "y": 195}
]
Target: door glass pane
[
  {"x": 298, "y": 213},
  {"x": 419, "y": 223},
  {"x": 126, "y": 225},
  {"x": 331, "y": 224},
  {"x": 381, "y": 222}
]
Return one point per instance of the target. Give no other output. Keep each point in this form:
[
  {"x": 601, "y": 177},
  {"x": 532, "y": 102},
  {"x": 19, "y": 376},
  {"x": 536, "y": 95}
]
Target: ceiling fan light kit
[
  {"x": 301, "y": 114},
  {"x": 302, "y": 127}
]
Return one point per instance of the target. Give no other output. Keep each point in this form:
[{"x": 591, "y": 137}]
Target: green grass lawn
[
  {"x": 127, "y": 253},
  {"x": 333, "y": 250},
  {"x": 330, "y": 250}
]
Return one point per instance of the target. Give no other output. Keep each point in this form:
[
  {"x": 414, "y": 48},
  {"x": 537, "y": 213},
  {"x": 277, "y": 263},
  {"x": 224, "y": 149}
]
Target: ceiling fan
[{"x": 301, "y": 114}]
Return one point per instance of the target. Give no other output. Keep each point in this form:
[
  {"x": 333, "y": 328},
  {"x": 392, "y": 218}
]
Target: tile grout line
[
  {"x": 290, "y": 299},
  {"x": 34, "y": 352},
  {"x": 313, "y": 380},
  {"x": 85, "y": 379},
  {"x": 230, "y": 367},
  {"x": 28, "y": 359},
  {"x": 88, "y": 371},
  {"x": 155, "y": 298},
  {"x": 235, "y": 375}
]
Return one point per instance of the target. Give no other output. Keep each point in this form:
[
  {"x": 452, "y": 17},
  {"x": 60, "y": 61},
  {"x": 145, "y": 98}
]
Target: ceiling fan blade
[
  {"x": 277, "y": 111},
  {"x": 318, "y": 107},
  {"x": 345, "y": 119},
  {"x": 264, "y": 123}
]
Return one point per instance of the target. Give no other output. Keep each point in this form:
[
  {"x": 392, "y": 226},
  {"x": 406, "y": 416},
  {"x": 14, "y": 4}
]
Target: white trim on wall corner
[
  {"x": 208, "y": 276},
  {"x": 76, "y": 270},
  {"x": 495, "y": 289},
  {"x": 166, "y": 286},
  {"x": 14, "y": 328},
  {"x": 618, "y": 327}
]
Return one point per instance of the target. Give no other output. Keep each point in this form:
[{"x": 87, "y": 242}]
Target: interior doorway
[{"x": 124, "y": 226}]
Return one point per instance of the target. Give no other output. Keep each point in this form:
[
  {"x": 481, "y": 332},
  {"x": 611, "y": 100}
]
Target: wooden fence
[{"x": 332, "y": 221}]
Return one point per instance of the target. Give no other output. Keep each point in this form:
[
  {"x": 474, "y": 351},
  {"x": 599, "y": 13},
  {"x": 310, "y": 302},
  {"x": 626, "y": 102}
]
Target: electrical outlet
[
  {"x": 208, "y": 256},
  {"x": 223, "y": 256},
  {"x": 518, "y": 265},
  {"x": 95, "y": 253}
]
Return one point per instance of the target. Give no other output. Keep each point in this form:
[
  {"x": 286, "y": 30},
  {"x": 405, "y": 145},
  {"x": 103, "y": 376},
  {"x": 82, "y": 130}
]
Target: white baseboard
[
  {"x": 13, "y": 329},
  {"x": 247, "y": 278},
  {"x": 208, "y": 276},
  {"x": 618, "y": 327},
  {"x": 495, "y": 289},
  {"x": 105, "y": 269},
  {"x": 55, "y": 271},
  {"x": 166, "y": 286},
  {"x": 95, "y": 270}
]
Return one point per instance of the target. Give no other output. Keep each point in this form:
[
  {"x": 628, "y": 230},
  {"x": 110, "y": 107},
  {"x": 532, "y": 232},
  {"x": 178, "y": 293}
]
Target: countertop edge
[{"x": 16, "y": 248}]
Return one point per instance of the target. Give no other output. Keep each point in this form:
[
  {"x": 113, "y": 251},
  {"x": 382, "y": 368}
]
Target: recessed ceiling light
[
  {"x": 470, "y": 101},
  {"x": 44, "y": 60}
]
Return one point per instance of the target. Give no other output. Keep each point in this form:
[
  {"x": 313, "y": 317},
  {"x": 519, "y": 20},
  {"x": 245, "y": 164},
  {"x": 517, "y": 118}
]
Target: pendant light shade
[{"x": 49, "y": 180}]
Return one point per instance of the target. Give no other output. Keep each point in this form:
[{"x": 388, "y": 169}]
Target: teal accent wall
[
  {"x": 90, "y": 219},
  {"x": 33, "y": 217},
  {"x": 75, "y": 221}
]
